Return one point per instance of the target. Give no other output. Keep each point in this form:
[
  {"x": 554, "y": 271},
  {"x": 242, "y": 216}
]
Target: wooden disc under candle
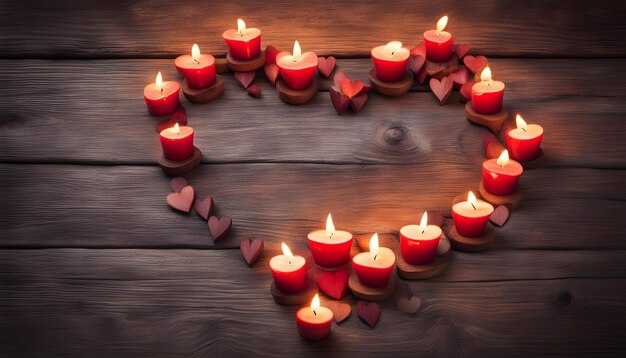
[
  {"x": 440, "y": 70},
  {"x": 371, "y": 293},
  {"x": 491, "y": 121},
  {"x": 471, "y": 244},
  {"x": 293, "y": 299},
  {"x": 291, "y": 96},
  {"x": 392, "y": 89},
  {"x": 204, "y": 95},
  {"x": 245, "y": 65},
  {"x": 432, "y": 269},
  {"x": 511, "y": 201},
  {"x": 172, "y": 167}
]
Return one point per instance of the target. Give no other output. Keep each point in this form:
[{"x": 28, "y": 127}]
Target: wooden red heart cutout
[
  {"x": 251, "y": 250},
  {"x": 350, "y": 88},
  {"x": 271, "y": 71},
  {"x": 204, "y": 207},
  {"x": 459, "y": 77},
  {"x": 475, "y": 64},
  {"x": 180, "y": 117},
  {"x": 409, "y": 305},
  {"x": 421, "y": 76},
  {"x": 461, "y": 50},
  {"x": 491, "y": 144},
  {"x": 181, "y": 201},
  {"x": 254, "y": 90},
  {"x": 500, "y": 215},
  {"x": 340, "y": 310},
  {"x": 339, "y": 100},
  {"x": 326, "y": 65},
  {"x": 270, "y": 55},
  {"x": 245, "y": 78},
  {"x": 369, "y": 312},
  {"x": 334, "y": 284},
  {"x": 339, "y": 76},
  {"x": 466, "y": 91},
  {"x": 177, "y": 184},
  {"x": 219, "y": 227},
  {"x": 441, "y": 89},
  {"x": 357, "y": 102},
  {"x": 416, "y": 63}
]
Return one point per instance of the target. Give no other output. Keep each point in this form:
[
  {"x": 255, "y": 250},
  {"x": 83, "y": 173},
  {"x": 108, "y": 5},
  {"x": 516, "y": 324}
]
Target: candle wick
[
  {"x": 161, "y": 90},
  {"x": 375, "y": 256},
  {"x": 331, "y": 235},
  {"x": 290, "y": 262},
  {"x": 315, "y": 313},
  {"x": 423, "y": 231},
  {"x": 198, "y": 62},
  {"x": 524, "y": 129},
  {"x": 473, "y": 206}
]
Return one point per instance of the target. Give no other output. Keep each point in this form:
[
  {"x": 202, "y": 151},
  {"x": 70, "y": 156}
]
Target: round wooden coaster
[
  {"x": 432, "y": 269},
  {"x": 204, "y": 95},
  {"x": 371, "y": 293},
  {"x": 173, "y": 167},
  {"x": 440, "y": 70},
  {"x": 471, "y": 244},
  {"x": 392, "y": 89},
  {"x": 296, "y": 97},
  {"x": 245, "y": 66},
  {"x": 491, "y": 121},
  {"x": 293, "y": 299},
  {"x": 511, "y": 201}
]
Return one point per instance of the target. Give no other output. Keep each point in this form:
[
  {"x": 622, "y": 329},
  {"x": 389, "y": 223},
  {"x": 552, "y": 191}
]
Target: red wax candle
[
  {"x": 198, "y": 69},
  {"x": 471, "y": 216},
  {"x": 487, "y": 95},
  {"x": 390, "y": 61},
  {"x": 418, "y": 244},
  {"x": 244, "y": 43},
  {"x": 289, "y": 271},
  {"x": 438, "y": 43},
  {"x": 315, "y": 322},
  {"x": 374, "y": 268},
  {"x": 330, "y": 247},
  {"x": 500, "y": 176},
  {"x": 524, "y": 142},
  {"x": 177, "y": 142},
  {"x": 297, "y": 69},
  {"x": 161, "y": 97}
]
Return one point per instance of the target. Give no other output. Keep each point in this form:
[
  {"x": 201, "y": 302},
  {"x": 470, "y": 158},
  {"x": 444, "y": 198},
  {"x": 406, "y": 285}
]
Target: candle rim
[
  {"x": 249, "y": 34},
  {"x": 383, "y": 252},
  {"x": 526, "y": 135},
  {"x": 339, "y": 236},
  {"x": 284, "y": 60},
  {"x": 513, "y": 167},
  {"x": 403, "y": 231},
  {"x": 405, "y": 54},
  {"x": 187, "y": 61},
  {"x": 474, "y": 213},
  {"x": 297, "y": 262}
]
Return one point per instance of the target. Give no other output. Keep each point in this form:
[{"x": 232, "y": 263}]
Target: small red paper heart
[
  {"x": 466, "y": 91},
  {"x": 368, "y": 312},
  {"x": 416, "y": 63},
  {"x": 219, "y": 227},
  {"x": 339, "y": 100},
  {"x": 461, "y": 50},
  {"x": 491, "y": 144},
  {"x": 475, "y": 64},
  {"x": 339, "y": 76},
  {"x": 326, "y": 65},
  {"x": 419, "y": 50},
  {"x": 181, "y": 201},
  {"x": 271, "y": 71},
  {"x": 270, "y": 55},
  {"x": 500, "y": 215},
  {"x": 204, "y": 207},
  {"x": 254, "y": 90},
  {"x": 335, "y": 283},
  {"x": 251, "y": 250},
  {"x": 177, "y": 184},
  {"x": 180, "y": 117},
  {"x": 350, "y": 88},
  {"x": 459, "y": 77},
  {"x": 409, "y": 305},
  {"x": 421, "y": 76},
  {"x": 441, "y": 89},
  {"x": 357, "y": 102},
  {"x": 340, "y": 310},
  {"x": 245, "y": 78}
]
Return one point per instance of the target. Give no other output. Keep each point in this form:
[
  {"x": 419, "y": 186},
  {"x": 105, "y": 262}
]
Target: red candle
[
  {"x": 198, "y": 69},
  {"x": 418, "y": 244},
  {"x": 500, "y": 176},
  {"x": 243, "y": 44},
  {"x": 177, "y": 142},
  {"x": 374, "y": 268},
  {"x": 330, "y": 247},
  {"x": 487, "y": 95},
  {"x": 524, "y": 142},
  {"x": 471, "y": 216},
  {"x": 161, "y": 97},
  {"x": 289, "y": 271},
  {"x": 315, "y": 322},
  {"x": 297, "y": 69},
  {"x": 438, "y": 43},
  {"x": 390, "y": 61}
]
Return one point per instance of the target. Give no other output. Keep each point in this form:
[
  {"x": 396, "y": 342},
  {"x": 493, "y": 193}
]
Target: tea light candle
[
  {"x": 471, "y": 216},
  {"x": 297, "y": 69},
  {"x": 177, "y": 142},
  {"x": 418, "y": 244},
  {"x": 330, "y": 247},
  {"x": 244, "y": 43},
  {"x": 487, "y": 95},
  {"x": 314, "y": 322},
  {"x": 500, "y": 176},
  {"x": 438, "y": 43},
  {"x": 161, "y": 97},
  {"x": 390, "y": 61},
  {"x": 373, "y": 268},
  {"x": 524, "y": 142},
  {"x": 289, "y": 271},
  {"x": 198, "y": 69}
]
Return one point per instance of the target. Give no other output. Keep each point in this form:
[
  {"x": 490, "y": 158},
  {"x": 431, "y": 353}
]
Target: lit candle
[
  {"x": 289, "y": 271},
  {"x": 243, "y": 43},
  {"x": 524, "y": 142},
  {"x": 297, "y": 69},
  {"x": 198, "y": 69},
  {"x": 438, "y": 43},
  {"x": 487, "y": 95},
  {"x": 390, "y": 61},
  {"x": 373, "y": 268},
  {"x": 418, "y": 243},
  {"x": 471, "y": 216},
  {"x": 161, "y": 97},
  {"x": 177, "y": 142},
  {"x": 314, "y": 322},
  {"x": 330, "y": 247},
  {"x": 500, "y": 176}
]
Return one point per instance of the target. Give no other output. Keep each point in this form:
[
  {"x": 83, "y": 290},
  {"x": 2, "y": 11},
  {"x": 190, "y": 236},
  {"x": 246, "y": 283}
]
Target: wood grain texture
[
  {"x": 128, "y": 28},
  {"x": 99, "y": 116}
]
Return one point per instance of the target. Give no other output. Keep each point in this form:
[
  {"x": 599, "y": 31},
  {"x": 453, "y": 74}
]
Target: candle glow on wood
[
  {"x": 441, "y": 24},
  {"x": 374, "y": 246},
  {"x": 241, "y": 26},
  {"x": 315, "y": 304}
]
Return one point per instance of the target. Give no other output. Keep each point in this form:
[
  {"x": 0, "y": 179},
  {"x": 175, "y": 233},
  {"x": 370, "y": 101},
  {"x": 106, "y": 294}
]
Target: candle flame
[
  {"x": 176, "y": 129},
  {"x": 441, "y": 24},
  {"x": 159, "y": 82},
  {"x": 503, "y": 159},
  {"x": 471, "y": 198},
  {"x": 330, "y": 227},
  {"x": 297, "y": 51},
  {"x": 521, "y": 123},
  {"x": 424, "y": 222},
  {"x": 286, "y": 251},
  {"x": 315, "y": 304},
  {"x": 241, "y": 26},
  {"x": 374, "y": 246},
  {"x": 195, "y": 53},
  {"x": 392, "y": 47},
  {"x": 485, "y": 76}
]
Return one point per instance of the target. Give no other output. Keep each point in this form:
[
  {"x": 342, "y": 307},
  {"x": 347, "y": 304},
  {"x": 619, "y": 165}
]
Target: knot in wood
[
  {"x": 394, "y": 135},
  {"x": 565, "y": 297}
]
